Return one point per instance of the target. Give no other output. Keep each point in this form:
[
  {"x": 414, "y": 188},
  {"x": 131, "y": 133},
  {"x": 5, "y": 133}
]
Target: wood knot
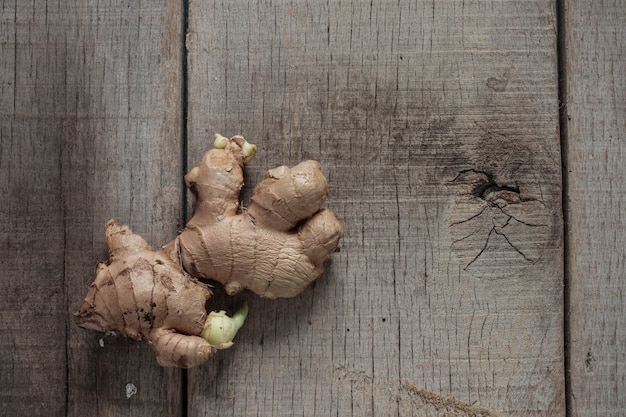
[{"x": 495, "y": 230}]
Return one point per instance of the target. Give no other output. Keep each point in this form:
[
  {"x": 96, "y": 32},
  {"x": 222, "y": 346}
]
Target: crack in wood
[
  {"x": 487, "y": 208},
  {"x": 483, "y": 186},
  {"x": 500, "y": 233},
  {"x": 482, "y": 250},
  {"x": 470, "y": 218}
]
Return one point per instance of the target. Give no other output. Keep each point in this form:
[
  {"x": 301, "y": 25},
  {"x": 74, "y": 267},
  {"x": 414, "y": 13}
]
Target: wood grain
[
  {"x": 32, "y": 292},
  {"x": 446, "y": 296},
  {"x": 90, "y": 129},
  {"x": 595, "y": 100},
  {"x": 123, "y": 160}
]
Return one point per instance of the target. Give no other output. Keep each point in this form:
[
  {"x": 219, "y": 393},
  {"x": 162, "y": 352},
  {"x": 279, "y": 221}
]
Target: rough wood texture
[
  {"x": 122, "y": 159},
  {"x": 436, "y": 122},
  {"x": 90, "y": 128},
  {"x": 32, "y": 315},
  {"x": 595, "y": 94},
  {"x": 437, "y": 125}
]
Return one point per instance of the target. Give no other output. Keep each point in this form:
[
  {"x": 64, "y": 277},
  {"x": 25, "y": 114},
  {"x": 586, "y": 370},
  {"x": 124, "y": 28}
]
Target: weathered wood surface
[
  {"x": 90, "y": 128},
  {"x": 32, "y": 315},
  {"x": 437, "y": 124},
  {"x": 595, "y": 106}
]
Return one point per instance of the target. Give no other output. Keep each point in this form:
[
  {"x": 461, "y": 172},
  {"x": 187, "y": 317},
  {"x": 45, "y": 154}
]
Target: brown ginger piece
[
  {"x": 263, "y": 248},
  {"x": 276, "y": 248},
  {"x": 145, "y": 294}
]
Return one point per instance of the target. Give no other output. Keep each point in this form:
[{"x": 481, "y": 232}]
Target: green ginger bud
[
  {"x": 220, "y": 330},
  {"x": 220, "y": 141}
]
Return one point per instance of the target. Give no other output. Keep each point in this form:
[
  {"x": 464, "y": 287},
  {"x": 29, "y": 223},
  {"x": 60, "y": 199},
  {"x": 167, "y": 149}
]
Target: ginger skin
[
  {"x": 259, "y": 248},
  {"x": 276, "y": 248},
  {"x": 144, "y": 294}
]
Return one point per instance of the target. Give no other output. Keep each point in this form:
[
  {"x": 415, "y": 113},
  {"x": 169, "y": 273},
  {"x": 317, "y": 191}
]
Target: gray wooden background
[{"x": 475, "y": 154}]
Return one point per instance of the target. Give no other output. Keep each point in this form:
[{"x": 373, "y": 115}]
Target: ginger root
[{"x": 276, "y": 248}]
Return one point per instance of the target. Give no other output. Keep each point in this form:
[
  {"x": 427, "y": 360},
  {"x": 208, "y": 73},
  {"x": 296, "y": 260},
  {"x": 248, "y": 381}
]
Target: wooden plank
[
  {"x": 595, "y": 98},
  {"x": 32, "y": 292},
  {"x": 121, "y": 111},
  {"x": 437, "y": 125}
]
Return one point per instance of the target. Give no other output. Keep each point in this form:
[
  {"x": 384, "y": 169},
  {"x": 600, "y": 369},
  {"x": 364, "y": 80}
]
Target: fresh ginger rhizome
[{"x": 275, "y": 248}]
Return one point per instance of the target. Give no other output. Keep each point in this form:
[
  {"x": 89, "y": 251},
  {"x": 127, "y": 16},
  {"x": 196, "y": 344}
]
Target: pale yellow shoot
[
  {"x": 220, "y": 141},
  {"x": 220, "y": 330}
]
